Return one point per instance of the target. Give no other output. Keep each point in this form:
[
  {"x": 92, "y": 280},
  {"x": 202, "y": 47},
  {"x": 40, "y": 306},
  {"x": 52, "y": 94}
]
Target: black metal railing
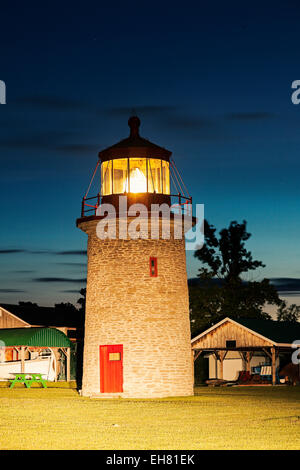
[{"x": 90, "y": 208}]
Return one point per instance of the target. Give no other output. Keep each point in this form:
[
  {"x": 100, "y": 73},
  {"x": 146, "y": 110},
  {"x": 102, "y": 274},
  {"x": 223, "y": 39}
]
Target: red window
[{"x": 153, "y": 267}]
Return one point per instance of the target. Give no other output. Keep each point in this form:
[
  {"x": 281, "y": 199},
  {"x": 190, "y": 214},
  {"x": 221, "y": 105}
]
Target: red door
[{"x": 111, "y": 368}]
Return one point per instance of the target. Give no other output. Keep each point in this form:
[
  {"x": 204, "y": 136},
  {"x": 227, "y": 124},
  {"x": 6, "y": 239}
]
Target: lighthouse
[{"x": 137, "y": 330}]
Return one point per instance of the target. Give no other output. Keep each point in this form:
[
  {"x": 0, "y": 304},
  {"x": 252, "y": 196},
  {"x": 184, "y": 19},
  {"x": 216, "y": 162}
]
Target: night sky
[{"x": 211, "y": 81}]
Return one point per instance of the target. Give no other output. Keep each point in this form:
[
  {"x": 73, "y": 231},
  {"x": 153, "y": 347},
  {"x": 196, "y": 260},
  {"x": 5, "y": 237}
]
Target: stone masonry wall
[{"x": 148, "y": 315}]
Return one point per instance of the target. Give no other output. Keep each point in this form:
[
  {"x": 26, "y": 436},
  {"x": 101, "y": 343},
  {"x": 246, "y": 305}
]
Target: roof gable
[
  {"x": 270, "y": 331},
  {"x": 9, "y": 320},
  {"x": 228, "y": 329}
]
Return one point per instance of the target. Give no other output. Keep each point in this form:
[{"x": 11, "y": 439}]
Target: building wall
[{"x": 148, "y": 315}]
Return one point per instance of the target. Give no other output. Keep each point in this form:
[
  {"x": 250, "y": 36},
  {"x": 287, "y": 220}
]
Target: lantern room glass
[
  {"x": 138, "y": 175},
  {"x": 135, "y": 175},
  {"x": 165, "y": 177},
  {"x": 106, "y": 177},
  {"x": 154, "y": 176},
  {"x": 120, "y": 176}
]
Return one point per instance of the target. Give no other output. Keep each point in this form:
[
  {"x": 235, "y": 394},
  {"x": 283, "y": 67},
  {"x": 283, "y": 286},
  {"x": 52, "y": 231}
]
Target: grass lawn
[{"x": 216, "y": 418}]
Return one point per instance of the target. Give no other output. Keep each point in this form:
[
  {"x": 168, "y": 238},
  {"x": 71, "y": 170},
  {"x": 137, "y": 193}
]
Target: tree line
[{"x": 225, "y": 286}]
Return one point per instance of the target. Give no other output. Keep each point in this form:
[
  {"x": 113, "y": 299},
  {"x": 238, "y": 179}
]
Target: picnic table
[{"x": 27, "y": 378}]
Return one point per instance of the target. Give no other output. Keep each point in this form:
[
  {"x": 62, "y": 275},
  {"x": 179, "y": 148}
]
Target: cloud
[
  {"x": 57, "y": 103},
  {"x": 173, "y": 116},
  {"x": 188, "y": 122},
  {"x": 78, "y": 148},
  {"x": 42, "y": 252},
  {"x": 170, "y": 116},
  {"x": 59, "y": 279},
  {"x": 51, "y": 103},
  {"x": 71, "y": 291},
  {"x": 9, "y": 291},
  {"x": 72, "y": 252},
  {"x": 199, "y": 128},
  {"x": 23, "y": 250},
  {"x": 23, "y": 271},
  {"x": 250, "y": 116},
  {"x": 286, "y": 284},
  {"x": 149, "y": 110},
  {"x": 8, "y": 251},
  {"x": 290, "y": 293},
  {"x": 35, "y": 140},
  {"x": 72, "y": 264}
]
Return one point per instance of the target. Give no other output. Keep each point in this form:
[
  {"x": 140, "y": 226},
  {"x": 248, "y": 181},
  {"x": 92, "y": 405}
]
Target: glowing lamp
[{"x": 138, "y": 182}]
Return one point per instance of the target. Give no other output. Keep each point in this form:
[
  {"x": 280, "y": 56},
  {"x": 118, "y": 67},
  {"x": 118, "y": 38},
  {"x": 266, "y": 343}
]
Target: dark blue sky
[{"x": 211, "y": 82}]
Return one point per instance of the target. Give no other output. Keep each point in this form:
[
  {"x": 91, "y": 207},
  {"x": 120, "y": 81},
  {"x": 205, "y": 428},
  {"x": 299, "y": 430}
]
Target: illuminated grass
[{"x": 216, "y": 418}]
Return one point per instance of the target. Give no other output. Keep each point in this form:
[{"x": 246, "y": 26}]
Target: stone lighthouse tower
[{"x": 137, "y": 331}]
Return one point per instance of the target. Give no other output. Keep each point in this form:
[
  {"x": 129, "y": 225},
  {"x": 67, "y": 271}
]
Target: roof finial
[{"x": 134, "y": 124}]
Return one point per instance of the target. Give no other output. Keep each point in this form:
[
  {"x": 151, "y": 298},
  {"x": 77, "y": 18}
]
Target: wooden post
[
  {"x": 57, "y": 366},
  {"x": 248, "y": 359},
  {"x": 223, "y": 354},
  {"x": 193, "y": 366},
  {"x": 68, "y": 364},
  {"x": 22, "y": 359},
  {"x": 217, "y": 358},
  {"x": 273, "y": 351},
  {"x": 221, "y": 366},
  {"x": 247, "y": 362},
  {"x": 242, "y": 356}
]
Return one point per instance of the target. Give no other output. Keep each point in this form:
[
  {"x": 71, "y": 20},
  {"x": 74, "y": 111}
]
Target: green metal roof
[
  {"x": 277, "y": 331},
  {"x": 47, "y": 337}
]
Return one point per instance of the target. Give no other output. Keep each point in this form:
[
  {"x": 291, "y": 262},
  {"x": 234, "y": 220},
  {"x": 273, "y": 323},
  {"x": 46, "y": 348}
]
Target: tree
[
  {"x": 68, "y": 312},
  {"x": 28, "y": 305},
  {"x": 288, "y": 313},
  {"x": 66, "y": 307},
  {"x": 222, "y": 291},
  {"x": 82, "y": 300},
  {"x": 227, "y": 256}
]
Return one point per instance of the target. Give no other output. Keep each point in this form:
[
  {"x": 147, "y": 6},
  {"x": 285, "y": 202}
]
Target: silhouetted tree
[
  {"x": 288, "y": 313},
  {"x": 226, "y": 256},
  {"x": 68, "y": 311},
  {"x": 28, "y": 305},
  {"x": 66, "y": 307},
  {"x": 222, "y": 291},
  {"x": 81, "y": 301}
]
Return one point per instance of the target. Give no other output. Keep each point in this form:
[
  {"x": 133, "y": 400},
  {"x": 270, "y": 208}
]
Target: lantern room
[
  {"x": 139, "y": 169},
  {"x": 135, "y": 175}
]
